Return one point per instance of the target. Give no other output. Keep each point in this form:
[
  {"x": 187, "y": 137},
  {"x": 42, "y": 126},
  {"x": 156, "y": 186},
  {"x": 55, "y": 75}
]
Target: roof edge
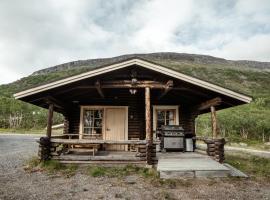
[{"x": 143, "y": 63}]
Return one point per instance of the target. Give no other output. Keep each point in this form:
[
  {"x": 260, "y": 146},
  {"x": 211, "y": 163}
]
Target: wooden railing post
[
  {"x": 214, "y": 122},
  {"x": 49, "y": 121},
  {"x": 149, "y": 135}
]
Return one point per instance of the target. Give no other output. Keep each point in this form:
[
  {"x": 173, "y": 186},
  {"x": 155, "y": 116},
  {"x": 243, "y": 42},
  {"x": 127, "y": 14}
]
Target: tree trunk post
[
  {"x": 214, "y": 122},
  {"x": 49, "y": 122},
  {"x": 149, "y": 135}
]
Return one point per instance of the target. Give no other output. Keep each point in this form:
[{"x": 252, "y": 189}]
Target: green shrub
[
  {"x": 252, "y": 165},
  {"x": 97, "y": 171}
]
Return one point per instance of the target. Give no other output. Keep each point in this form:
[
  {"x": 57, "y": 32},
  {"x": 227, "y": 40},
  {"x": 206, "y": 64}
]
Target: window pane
[
  {"x": 98, "y": 130},
  {"x": 92, "y": 121},
  {"x": 171, "y": 122},
  {"x": 98, "y": 123},
  {"x": 88, "y": 119},
  {"x": 165, "y": 117},
  {"x": 160, "y": 114},
  {"x": 87, "y": 131}
]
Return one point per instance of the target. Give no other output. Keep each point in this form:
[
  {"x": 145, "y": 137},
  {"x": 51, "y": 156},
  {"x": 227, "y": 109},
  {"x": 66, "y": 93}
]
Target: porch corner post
[
  {"x": 49, "y": 120},
  {"x": 149, "y": 135},
  {"x": 214, "y": 122}
]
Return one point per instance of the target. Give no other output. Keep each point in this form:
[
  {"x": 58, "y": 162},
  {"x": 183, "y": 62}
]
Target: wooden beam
[
  {"x": 149, "y": 135},
  {"x": 192, "y": 91},
  {"x": 128, "y": 84},
  {"x": 49, "y": 121},
  {"x": 57, "y": 103},
  {"x": 87, "y": 141},
  {"x": 207, "y": 104},
  {"x": 214, "y": 122},
  {"x": 98, "y": 87},
  {"x": 168, "y": 87}
]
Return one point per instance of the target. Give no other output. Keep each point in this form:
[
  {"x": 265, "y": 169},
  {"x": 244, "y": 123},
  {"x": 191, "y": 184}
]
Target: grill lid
[{"x": 172, "y": 128}]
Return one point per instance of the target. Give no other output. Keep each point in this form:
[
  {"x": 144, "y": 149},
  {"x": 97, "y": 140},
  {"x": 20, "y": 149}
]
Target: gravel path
[{"x": 15, "y": 183}]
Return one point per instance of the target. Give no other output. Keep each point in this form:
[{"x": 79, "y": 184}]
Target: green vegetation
[
  {"x": 248, "y": 123},
  {"x": 97, "y": 171},
  {"x": 50, "y": 166},
  {"x": 252, "y": 165}
]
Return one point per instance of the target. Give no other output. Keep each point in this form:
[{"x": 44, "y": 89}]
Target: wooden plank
[
  {"x": 97, "y": 158},
  {"x": 214, "y": 121},
  {"x": 207, "y": 104},
  {"x": 86, "y": 141},
  {"x": 128, "y": 84},
  {"x": 168, "y": 87},
  {"x": 109, "y": 163},
  {"x": 49, "y": 121}
]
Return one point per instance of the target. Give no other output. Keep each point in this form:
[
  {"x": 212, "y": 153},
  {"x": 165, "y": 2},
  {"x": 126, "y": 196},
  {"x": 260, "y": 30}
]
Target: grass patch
[
  {"x": 22, "y": 131},
  {"x": 252, "y": 165},
  {"x": 97, "y": 171},
  {"x": 50, "y": 166}
]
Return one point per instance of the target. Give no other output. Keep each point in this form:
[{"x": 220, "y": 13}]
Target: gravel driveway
[
  {"x": 15, "y": 183},
  {"x": 14, "y": 150}
]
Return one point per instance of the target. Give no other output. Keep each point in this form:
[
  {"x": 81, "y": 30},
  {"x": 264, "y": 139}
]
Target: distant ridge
[{"x": 170, "y": 58}]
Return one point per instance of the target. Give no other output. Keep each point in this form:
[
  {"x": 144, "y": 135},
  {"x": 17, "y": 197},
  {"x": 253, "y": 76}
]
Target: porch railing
[{"x": 60, "y": 148}]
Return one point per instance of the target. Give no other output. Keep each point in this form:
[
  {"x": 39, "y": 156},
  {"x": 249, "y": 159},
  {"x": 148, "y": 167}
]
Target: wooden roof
[{"x": 142, "y": 63}]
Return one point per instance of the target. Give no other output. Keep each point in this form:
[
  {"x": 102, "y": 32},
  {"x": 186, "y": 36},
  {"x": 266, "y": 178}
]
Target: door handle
[{"x": 107, "y": 129}]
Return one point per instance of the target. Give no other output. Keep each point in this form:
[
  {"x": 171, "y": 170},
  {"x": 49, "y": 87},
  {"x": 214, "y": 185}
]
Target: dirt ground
[{"x": 15, "y": 183}]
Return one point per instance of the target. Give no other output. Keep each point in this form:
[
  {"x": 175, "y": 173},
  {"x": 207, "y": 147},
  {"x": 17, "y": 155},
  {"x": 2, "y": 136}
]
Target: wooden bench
[{"x": 93, "y": 148}]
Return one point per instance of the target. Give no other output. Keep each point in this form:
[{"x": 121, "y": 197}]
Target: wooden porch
[{"x": 94, "y": 151}]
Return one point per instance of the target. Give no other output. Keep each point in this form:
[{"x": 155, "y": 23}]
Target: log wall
[{"x": 136, "y": 110}]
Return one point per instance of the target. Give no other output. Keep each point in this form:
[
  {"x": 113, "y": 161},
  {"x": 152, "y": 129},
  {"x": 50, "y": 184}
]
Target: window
[
  {"x": 92, "y": 121},
  {"x": 165, "y": 117}
]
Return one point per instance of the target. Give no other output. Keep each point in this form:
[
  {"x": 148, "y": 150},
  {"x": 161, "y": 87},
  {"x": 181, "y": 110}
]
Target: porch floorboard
[{"x": 121, "y": 156}]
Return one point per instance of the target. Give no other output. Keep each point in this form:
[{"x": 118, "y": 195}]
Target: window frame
[
  {"x": 93, "y": 123},
  {"x": 164, "y": 107}
]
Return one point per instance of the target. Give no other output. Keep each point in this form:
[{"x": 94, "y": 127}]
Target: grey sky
[{"x": 38, "y": 34}]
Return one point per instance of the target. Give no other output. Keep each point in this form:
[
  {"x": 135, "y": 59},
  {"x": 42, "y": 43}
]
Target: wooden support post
[
  {"x": 149, "y": 135},
  {"x": 214, "y": 122},
  {"x": 66, "y": 126},
  {"x": 49, "y": 122}
]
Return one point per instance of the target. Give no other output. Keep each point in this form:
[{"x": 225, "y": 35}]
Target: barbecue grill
[{"x": 172, "y": 138}]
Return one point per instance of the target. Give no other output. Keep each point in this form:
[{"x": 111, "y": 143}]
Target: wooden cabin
[{"x": 119, "y": 108}]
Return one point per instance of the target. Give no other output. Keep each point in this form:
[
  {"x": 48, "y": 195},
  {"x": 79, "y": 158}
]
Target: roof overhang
[{"x": 142, "y": 63}]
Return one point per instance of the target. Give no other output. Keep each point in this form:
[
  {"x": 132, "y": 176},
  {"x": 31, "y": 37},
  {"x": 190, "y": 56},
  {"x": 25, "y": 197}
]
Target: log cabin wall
[
  {"x": 187, "y": 119},
  {"x": 136, "y": 111},
  {"x": 74, "y": 120},
  {"x": 135, "y": 103}
]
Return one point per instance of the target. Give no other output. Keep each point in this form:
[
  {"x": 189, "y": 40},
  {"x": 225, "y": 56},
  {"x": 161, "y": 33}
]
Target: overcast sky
[{"x": 38, "y": 34}]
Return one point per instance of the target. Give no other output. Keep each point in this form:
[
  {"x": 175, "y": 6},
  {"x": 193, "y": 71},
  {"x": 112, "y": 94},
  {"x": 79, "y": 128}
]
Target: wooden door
[{"x": 115, "y": 127}]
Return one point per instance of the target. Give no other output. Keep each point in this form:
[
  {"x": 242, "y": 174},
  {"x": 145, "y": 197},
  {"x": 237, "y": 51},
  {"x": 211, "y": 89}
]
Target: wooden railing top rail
[{"x": 87, "y": 141}]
